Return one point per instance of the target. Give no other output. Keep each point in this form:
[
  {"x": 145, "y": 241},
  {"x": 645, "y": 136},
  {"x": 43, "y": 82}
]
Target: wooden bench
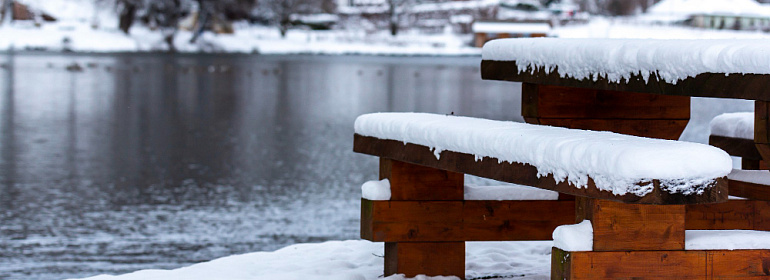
[{"x": 426, "y": 221}]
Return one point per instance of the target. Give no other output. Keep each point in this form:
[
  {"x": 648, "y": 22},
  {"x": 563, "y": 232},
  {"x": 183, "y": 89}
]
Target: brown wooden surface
[
  {"x": 733, "y": 214},
  {"x": 741, "y": 86},
  {"x": 415, "y": 182},
  {"x": 621, "y": 226},
  {"x": 738, "y": 147},
  {"x": 428, "y": 258},
  {"x": 761, "y": 129},
  {"x": 419, "y": 221},
  {"x": 648, "y": 265},
  {"x": 520, "y": 173},
  {"x": 749, "y": 190}
]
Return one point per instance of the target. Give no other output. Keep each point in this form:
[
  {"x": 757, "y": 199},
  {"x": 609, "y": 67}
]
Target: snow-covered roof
[
  {"x": 511, "y": 27},
  {"x": 686, "y": 8},
  {"x": 615, "y": 162},
  {"x": 619, "y": 59}
]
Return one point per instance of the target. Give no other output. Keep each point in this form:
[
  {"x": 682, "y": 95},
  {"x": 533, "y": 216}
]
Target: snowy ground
[
  {"x": 79, "y": 36},
  {"x": 357, "y": 260}
]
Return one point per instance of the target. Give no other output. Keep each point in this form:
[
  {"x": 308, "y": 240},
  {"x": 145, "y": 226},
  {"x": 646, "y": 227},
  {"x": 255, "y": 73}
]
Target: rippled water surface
[{"x": 113, "y": 163}]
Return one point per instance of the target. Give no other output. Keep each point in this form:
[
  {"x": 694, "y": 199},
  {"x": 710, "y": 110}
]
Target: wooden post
[
  {"x": 761, "y": 128},
  {"x": 409, "y": 182},
  {"x": 622, "y": 227}
]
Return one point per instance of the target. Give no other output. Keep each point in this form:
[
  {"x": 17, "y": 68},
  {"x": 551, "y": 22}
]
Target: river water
[{"x": 114, "y": 163}]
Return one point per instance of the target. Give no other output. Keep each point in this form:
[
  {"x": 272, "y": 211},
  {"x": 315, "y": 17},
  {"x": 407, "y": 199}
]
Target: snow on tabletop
[
  {"x": 735, "y": 125},
  {"x": 618, "y": 163},
  {"x": 508, "y": 192},
  {"x": 619, "y": 59},
  {"x": 355, "y": 260},
  {"x": 376, "y": 190},
  {"x": 574, "y": 238},
  {"x": 761, "y": 177},
  {"x": 726, "y": 240}
]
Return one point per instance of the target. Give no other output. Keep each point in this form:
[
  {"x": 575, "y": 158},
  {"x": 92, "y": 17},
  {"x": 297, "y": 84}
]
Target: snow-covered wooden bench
[
  {"x": 642, "y": 87},
  {"x": 633, "y": 186}
]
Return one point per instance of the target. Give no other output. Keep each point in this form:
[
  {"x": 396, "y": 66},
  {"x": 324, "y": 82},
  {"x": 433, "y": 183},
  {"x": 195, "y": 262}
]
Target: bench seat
[{"x": 594, "y": 164}]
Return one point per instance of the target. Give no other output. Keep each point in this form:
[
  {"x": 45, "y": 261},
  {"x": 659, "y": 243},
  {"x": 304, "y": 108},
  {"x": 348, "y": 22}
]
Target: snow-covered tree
[{"x": 397, "y": 9}]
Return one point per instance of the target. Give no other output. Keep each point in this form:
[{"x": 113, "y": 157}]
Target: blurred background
[{"x": 156, "y": 134}]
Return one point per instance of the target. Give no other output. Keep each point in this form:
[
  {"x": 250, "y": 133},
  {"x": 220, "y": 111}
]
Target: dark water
[{"x": 127, "y": 162}]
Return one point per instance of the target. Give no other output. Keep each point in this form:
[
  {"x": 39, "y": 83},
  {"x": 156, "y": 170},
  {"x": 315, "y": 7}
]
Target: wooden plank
[
  {"x": 738, "y": 147},
  {"x": 557, "y": 102},
  {"x": 421, "y": 221},
  {"x": 428, "y": 258},
  {"x": 661, "y": 129},
  {"x": 620, "y": 226},
  {"x": 741, "y": 86},
  {"x": 716, "y": 264},
  {"x": 521, "y": 173},
  {"x": 415, "y": 182},
  {"x": 733, "y": 214},
  {"x": 749, "y": 190}
]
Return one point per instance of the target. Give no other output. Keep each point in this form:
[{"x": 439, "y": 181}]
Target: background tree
[
  {"x": 6, "y": 11},
  {"x": 279, "y": 11},
  {"x": 210, "y": 11},
  {"x": 397, "y": 9}
]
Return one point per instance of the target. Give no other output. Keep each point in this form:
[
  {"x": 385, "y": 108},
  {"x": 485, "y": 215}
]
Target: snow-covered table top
[
  {"x": 709, "y": 68},
  {"x": 616, "y": 163}
]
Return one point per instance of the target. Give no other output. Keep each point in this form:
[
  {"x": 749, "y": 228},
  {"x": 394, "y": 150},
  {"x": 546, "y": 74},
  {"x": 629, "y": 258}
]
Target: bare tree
[
  {"x": 220, "y": 10},
  {"x": 397, "y": 9},
  {"x": 279, "y": 11},
  {"x": 160, "y": 14},
  {"x": 6, "y": 11}
]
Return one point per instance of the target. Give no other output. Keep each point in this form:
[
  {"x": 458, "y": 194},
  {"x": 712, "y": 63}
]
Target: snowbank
[
  {"x": 616, "y": 162},
  {"x": 735, "y": 125},
  {"x": 619, "y": 59},
  {"x": 354, "y": 260}
]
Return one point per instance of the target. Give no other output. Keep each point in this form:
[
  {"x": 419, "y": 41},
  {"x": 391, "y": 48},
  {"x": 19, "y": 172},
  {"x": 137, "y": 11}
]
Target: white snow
[
  {"x": 511, "y": 27},
  {"x": 735, "y": 125},
  {"x": 726, "y": 240},
  {"x": 355, "y": 260},
  {"x": 686, "y": 8},
  {"x": 376, "y": 190},
  {"x": 508, "y": 192},
  {"x": 761, "y": 177},
  {"x": 619, "y": 59},
  {"x": 574, "y": 238},
  {"x": 617, "y": 163}
]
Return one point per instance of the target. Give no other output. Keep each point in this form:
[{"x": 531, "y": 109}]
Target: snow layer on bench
[
  {"x": 761, "y": 177},
  {"x": 734, "y": 125},
  {"x": 618, "y": 59},
  {"x": 574, "y": 238},
  {"x": 618, "y": 163},
  {"x": 726, "y": 240},
  {"x": 508, "y": 192}
]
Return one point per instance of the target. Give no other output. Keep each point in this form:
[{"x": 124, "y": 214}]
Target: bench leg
[
  {"x": 410, "y": 182},
  {"x": 428, "y": 258}
]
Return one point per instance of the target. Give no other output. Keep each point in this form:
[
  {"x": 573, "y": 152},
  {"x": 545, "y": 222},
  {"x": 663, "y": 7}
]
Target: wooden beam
[
  {"x": 740, "y": 86},
  {"x": 427, "y": 258},
  {"x": 738, "y": 147},
  {"x": 621, "y": 227},
  {"x": 733, "y": 214},
  {"x": 749, "y": 190},
  {"x": 415, "y": 182},
  {"x": 422, "y": 221},
  {"x": 521, "y": 173},
  {"x": 716, "y": 264}
]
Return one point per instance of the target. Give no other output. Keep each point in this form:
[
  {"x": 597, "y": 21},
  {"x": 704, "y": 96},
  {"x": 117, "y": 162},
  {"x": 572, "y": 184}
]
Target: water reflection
[{"x": 112, "y": 163}]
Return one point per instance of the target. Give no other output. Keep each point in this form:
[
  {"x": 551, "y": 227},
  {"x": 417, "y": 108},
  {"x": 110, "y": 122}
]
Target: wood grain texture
[
  {"x": 415, "y": 182},
  {"x": 521, "y": 173},
  {"x": 749, "y": 190},
  {"x": 420, "y": 221},
  {"x": 557, "y": 102},
  {"x": 621, "y": 226},
  {"x": 740, "y": 86},
  {"x": 738, "y": 147},
  {"x": 660, "y": 265},
  {"x": 733, "y": 214},
  {"x": 428, "y": 258}
]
